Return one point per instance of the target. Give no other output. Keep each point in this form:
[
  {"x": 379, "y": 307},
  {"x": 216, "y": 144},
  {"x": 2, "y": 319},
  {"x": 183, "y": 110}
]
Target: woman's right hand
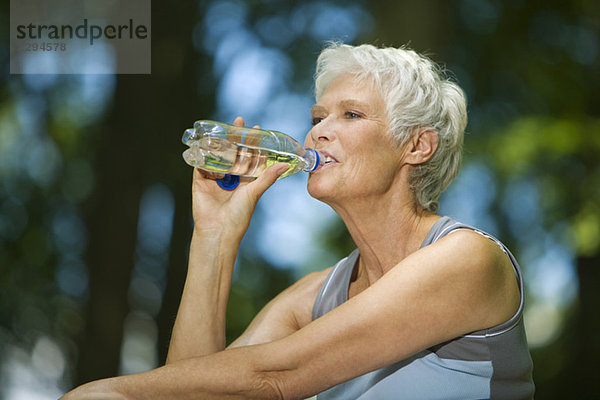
[{"x": 217, "y": 211}]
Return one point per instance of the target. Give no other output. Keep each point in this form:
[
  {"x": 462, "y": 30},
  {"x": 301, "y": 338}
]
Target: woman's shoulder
[
  {"x": 299, "y": 298},
  {"x": 475, "y": 244},
  {"x": 482, "y": 264},
  {"x": 309, "y": 285}
]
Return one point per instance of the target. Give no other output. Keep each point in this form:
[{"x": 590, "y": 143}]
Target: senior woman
[{"x": 424, "y": 308}]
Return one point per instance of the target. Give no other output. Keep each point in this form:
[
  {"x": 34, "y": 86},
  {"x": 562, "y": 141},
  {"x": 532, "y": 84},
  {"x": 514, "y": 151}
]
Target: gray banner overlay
[{"x": 80, "y": 37}]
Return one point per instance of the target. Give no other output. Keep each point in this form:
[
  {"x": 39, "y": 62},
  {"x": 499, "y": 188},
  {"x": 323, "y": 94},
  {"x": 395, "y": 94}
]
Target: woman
[{"x": 424, "y": 308}]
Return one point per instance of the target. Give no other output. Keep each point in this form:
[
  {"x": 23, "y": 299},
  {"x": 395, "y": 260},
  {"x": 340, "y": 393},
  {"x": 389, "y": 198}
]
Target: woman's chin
[{"x": 317, "y": 188}]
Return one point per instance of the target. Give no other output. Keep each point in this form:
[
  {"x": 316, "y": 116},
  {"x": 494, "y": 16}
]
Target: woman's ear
[{"x": 422, "y": 146}]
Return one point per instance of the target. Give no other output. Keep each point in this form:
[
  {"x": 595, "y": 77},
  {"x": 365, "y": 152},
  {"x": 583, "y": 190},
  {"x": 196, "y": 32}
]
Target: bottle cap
[
  {"x": 229, "y": 182},
  {"x": 317, "y": 160}
]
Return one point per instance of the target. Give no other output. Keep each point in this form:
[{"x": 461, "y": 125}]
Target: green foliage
[
  {"x": 561, "y": 154},
  {"x": 537, "y": 143}
]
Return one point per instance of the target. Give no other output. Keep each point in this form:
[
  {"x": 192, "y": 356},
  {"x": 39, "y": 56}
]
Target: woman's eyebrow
[
  {"x": 317, "y": 109},
  {"x": 349, "y": 103}
]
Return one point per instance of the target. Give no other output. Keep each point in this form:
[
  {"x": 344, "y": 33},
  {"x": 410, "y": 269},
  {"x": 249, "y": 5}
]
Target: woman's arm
[
  {"x": 290, "y": 311},
  {"x": 241, "y": 372},
  {"x": 221, "y": 218},
  {"x": 200, "y": 324},
  {"x": 231, "y": 374},
  {"x": 460, "y": 284}
]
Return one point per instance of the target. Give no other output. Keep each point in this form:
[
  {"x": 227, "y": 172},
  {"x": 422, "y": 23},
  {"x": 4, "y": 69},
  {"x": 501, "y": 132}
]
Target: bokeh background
[{"x": 95, "y": 198}]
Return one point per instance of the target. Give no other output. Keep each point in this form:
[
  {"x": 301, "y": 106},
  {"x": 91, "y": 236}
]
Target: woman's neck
[{"x": 385, "y": 230}]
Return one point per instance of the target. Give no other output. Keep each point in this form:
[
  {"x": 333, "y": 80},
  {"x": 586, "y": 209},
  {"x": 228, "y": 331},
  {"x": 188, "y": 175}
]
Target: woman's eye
[
  {"x": 352, "y": 115},
  {"x": 316, "y": 120}
]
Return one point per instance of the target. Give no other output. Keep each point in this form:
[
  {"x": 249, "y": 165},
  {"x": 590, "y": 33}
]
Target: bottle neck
[{"x": 313, "y": 160}]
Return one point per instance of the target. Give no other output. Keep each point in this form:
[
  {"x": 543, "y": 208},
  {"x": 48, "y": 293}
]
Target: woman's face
[{"x": 351, "y": 131}]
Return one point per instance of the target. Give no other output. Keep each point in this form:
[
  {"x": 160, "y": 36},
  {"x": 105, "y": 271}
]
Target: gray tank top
[{"x": 490, "y": 364}]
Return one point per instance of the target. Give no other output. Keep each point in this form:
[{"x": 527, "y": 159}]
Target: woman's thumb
[{"x": 269, "y": 177}]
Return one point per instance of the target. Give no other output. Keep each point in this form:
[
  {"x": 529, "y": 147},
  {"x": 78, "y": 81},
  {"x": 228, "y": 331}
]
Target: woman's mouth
[{"x": 328, "y": 159}]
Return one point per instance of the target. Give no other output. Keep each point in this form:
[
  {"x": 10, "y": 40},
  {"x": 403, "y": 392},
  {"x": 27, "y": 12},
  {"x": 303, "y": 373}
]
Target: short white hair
[{"x": 417, "y": 93}]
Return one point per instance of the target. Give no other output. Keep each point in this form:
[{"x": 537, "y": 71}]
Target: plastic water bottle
[{"x": 239, "y": 151}]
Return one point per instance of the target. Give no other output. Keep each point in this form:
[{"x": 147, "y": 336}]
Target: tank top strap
[
  {"x": 334, "y": 290},
  {"x": 441, "y": 228}
]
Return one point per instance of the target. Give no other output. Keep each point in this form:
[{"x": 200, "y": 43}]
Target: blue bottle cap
[
  {"x": 317, "y": 160},
  {"x": 229, "y": 182}
]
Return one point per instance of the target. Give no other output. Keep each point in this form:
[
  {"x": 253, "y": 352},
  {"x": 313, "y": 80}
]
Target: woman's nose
[{"x": 320, "y": 133}]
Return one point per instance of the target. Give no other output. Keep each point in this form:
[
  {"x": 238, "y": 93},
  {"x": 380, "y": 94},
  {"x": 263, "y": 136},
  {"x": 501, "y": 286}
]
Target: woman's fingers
[
  {"x": 202, "y": 177},
  {"x": 239, "y": 121},
  {"x": 261, "y": 184},
  {"x": 207, "y": 174},
  {"x": 268, "y": 178}
]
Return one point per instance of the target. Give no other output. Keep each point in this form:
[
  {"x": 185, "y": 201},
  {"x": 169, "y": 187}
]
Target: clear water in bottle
[{"x": 246, "y": 152}]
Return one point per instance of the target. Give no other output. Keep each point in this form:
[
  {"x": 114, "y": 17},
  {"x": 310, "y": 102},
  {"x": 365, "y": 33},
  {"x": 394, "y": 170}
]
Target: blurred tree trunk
[
  {"x": 567, "y": 369},
  {"x": 579, "y": 376},
  {"x": 187, "y": 94},
  {"x": 141, "y": 138},
  {"x": 421, "y": 24},
  {"x": 589, "y": 325},
  {"x": 112, "y": 221}
]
